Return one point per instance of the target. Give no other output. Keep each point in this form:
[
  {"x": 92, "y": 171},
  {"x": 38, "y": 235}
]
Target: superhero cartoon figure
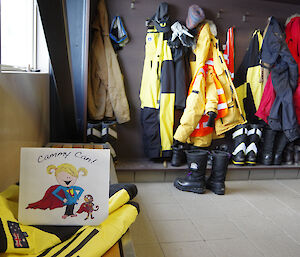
[
  {"x": 88, "y": 206},
  {"x": 63, "y": 194}
]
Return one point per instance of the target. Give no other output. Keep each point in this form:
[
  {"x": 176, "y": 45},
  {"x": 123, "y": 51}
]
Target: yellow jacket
[
  {"x": 203, "y": 96},
  {"x": 32, "y": 241}
]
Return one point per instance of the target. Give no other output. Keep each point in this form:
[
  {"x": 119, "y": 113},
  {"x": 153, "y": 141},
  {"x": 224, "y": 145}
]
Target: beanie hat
[{"x": 195, "y": 16}]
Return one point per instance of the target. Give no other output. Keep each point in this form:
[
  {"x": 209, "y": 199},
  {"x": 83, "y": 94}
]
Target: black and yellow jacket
[
  {"x": 84, "y": 241},
  {"x": 248, "y": 80},
  {"x": 158, "y": 88}
]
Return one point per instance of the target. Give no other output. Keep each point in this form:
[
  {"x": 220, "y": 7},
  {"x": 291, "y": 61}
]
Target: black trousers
[{"x": 69, "y": 210}]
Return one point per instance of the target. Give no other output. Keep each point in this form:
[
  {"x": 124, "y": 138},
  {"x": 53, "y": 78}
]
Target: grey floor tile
[
  {"x": 293, "y": 184},
  {"x": 202, "y": 208},
  {"x": 257, "y": 226},
  {"x": 175, "y": 231},
  {"x": 258, "y": 218},
  {"x": 235, "y": 207},
  {"x": 186, "y": 249},
  {"x": 217, "y": 228},
  {"x": 290, "y": 224},
  {"x": 148, "y": 250},
  {"x": 141, "y": 230},
  {"x": 165, "y": 211},
  {"x": 277, "y": 246},
  {"x": 154, "y": 193},
  {"x": 234, "y": 248},
  {"x": 271, "y": 206}
]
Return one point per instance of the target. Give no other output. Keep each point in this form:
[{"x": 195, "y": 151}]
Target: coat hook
[
  {"x": 244, "y": 18},
  {"x": 132, "y": 4},
  {"x": 219, "y": 13}
]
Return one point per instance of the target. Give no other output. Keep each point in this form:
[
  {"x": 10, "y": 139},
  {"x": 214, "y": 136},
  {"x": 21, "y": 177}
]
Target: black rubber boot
[
  {"x": 268, "y": 145},
  {"x": 216, "y": 181},
  {"x": 254, "y": 135},
  {"x": 288, "y": 154},
  {"x": 280, "y": 143},
  {"x": 297, "y": 154},
  {"x": 194, "y": 181},
  {"x": 178, "y": 155},
  {"x": 239, "y": 137}
]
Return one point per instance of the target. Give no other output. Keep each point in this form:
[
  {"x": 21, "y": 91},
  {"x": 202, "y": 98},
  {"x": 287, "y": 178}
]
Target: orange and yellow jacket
[{"x": 211, "y": 82}]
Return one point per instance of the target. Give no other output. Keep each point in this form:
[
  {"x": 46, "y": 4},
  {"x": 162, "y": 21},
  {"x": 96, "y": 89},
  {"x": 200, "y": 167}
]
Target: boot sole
[
  {"x": 238, "y": 163},
  {"x": 216, "y": 192},
  {"x": 193, "y": 189}
]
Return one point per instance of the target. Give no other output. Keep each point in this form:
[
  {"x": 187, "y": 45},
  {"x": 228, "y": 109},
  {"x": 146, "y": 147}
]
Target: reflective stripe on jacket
[
  {"x": 204, "y": 101},
  {"x": 202, "y": 129}
]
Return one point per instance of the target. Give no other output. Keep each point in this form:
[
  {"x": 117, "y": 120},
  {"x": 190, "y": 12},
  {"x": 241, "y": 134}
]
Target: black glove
[
  {"x": 211, "y": 120},
  {"x": 177, "y": 143}
]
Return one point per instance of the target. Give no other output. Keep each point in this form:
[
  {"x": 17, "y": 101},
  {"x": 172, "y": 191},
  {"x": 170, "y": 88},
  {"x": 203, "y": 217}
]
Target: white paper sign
[{"x": 63, "y": 186}]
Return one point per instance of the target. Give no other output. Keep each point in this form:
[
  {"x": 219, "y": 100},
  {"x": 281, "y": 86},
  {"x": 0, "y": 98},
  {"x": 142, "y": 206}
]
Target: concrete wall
[{"x": 24, "y": 119}]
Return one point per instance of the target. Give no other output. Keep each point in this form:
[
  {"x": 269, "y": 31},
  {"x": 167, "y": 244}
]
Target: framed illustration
[{"x": 63, "y": 186}]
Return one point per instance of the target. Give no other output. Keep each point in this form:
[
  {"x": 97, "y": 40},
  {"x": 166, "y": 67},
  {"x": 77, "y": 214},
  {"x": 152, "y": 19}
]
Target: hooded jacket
[
  {"x": 203, "y": 93},
  {"x": 158, "y": 88},
  {"x": 284, "y": 75},
  {"x": 106, "y": 92},
  {"x": 292, "y": 31}
]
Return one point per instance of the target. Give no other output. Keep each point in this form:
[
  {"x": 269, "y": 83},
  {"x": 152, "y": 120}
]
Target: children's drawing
[
  {"x": 88, "y": 206},
  {"x": 63, "y": 194}
]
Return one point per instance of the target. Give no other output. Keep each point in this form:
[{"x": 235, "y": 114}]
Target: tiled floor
[{"x": 254, "y": 218}]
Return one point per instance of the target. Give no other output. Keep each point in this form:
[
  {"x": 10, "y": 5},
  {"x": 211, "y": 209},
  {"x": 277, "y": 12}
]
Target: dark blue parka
[{"x": 284, "y": 77}]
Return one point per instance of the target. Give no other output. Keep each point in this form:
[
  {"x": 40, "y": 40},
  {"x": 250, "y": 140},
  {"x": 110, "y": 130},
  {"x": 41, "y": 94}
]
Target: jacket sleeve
[
  {"x": 211, "y": 94},
  {"x": 195, "y": 105}
]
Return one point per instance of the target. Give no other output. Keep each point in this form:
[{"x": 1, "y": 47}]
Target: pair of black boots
[
  {"x": 195, "y": 180},
  {"x": 291, "y": 154},
  {"x": 246, "y": 138},
  {"x": 274, "y": 143}
]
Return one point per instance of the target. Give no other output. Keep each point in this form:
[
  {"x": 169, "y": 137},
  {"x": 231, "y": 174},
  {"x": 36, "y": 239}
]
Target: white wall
[{"x": 24, "y": 119}]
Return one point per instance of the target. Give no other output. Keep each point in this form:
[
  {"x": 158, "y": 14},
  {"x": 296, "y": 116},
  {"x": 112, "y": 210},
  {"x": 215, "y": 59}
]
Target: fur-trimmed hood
[{"x": 291, "y": 17}]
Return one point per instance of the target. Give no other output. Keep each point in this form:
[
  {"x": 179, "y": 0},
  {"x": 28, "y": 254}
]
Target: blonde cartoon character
[{"x": 63, "y": 194}]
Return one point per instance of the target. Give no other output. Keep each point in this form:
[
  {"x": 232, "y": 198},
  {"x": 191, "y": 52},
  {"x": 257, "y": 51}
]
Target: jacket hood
[
  {"x": 272, "y": 42},
  {"x": 291, "y": 17},
  {"x": 161, "y": 18}
]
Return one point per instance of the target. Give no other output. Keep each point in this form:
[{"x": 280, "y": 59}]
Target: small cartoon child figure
[
  {"x": 63, "y": 194},
  {"x": 88, "y": 206}
]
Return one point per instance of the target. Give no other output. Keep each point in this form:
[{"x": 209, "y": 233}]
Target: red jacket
[
  {"x": 292, "y": 31},
  {"x": 267, "y": 100}
]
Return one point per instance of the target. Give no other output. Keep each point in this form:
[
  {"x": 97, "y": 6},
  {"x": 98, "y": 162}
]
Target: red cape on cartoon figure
[
  {"x": 48, "y": 201},
  {"x": 84, "y": 207}
]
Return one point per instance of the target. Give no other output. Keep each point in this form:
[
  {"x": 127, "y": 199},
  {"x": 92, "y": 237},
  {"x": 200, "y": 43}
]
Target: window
[{"x": 19, "y": 35}]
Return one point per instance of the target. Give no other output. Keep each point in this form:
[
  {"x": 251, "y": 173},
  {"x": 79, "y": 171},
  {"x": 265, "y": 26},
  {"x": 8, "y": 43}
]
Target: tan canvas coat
[{"x": 106, "y": 92}]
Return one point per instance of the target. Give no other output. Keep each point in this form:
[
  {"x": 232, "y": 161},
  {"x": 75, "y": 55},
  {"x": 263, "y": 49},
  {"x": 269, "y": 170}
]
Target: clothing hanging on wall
[
  {"x": 248, "y": 83},
  {"x": 159, "y": 86},
  {"x": 292, "y": 31},
  {"x": 229, "y": 51},
  {"x": 284, "y": 76},
  {"x": 203, "y": 93},
  {"x": 106, "y": 92}
]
